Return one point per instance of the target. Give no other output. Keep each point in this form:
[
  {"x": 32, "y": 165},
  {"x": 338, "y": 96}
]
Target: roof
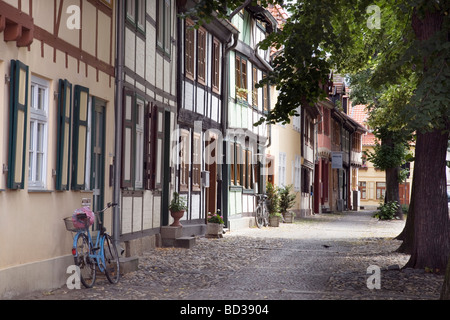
[{"x": 360, "y": 114}]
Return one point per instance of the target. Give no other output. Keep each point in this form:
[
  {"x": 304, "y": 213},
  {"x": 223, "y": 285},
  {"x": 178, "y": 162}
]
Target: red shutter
[{"x": 158, "y": 146}]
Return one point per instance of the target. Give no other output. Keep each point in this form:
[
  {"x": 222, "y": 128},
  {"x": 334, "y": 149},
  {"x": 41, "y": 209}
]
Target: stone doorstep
[
  {"x": 128, "y": 264},
  {"x": 185, "y": 242},
  {"x": 181, "y": 237},
  {"x": 181, "y": 242}
]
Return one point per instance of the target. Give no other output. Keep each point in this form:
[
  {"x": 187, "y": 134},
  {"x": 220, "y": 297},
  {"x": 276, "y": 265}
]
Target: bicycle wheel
[
  {"x": 259, "y": 217},
  {"x": 111, "y": 260},
  {"x": 84, "y": 262}
]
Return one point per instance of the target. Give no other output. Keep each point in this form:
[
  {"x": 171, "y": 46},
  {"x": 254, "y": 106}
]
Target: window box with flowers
[
  {"x": 214, "y": 228},
  {"x": 241, "y": 96}
]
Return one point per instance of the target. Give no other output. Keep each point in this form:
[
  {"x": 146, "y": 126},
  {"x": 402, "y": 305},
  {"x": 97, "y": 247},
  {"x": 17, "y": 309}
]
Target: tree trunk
[
  {"x": 431, "y": 243},
  {"x": 407, "y": 235},
  {"x": 392, "y": 191},
  {"x": 445, "y": 292}
]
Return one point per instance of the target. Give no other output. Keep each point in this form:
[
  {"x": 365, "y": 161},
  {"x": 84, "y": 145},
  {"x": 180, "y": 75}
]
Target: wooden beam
[
  {"x": 13, "y": 32},
  {"x": 73, "y": 51}
]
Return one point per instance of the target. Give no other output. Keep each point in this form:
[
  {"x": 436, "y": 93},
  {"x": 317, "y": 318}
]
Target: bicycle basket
[
  {"x": 70, "y": 226},
  {"x": 81, "y": 219}
]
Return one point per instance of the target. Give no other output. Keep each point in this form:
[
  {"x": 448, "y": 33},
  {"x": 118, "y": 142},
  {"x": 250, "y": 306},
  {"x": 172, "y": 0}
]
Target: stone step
[
  {"x": 185, "y": 242},
  {"x": 128, "y": 264},
  {"x": 181, "y": 242}
]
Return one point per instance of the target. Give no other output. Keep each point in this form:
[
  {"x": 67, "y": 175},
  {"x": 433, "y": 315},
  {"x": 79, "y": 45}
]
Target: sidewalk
[{"x": 320, "y": 257}]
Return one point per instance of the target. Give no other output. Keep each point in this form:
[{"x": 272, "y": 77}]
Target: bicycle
[
  {"x": 89, "y": 255},
  {"x": 262, "y": 213}
]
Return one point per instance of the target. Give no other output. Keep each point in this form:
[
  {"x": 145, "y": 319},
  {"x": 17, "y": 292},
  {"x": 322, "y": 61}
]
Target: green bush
[
  {"x": 273, "y": 199},
  {"x": 387, "y": 211},
  {"x": 287, "y": 198}
]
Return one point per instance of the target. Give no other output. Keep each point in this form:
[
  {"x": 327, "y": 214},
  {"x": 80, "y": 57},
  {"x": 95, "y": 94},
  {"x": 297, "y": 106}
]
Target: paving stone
[{"x": 318, "y": 257}]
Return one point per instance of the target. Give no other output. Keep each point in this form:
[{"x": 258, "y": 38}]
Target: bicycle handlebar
[{"x": 109, "y": 205}]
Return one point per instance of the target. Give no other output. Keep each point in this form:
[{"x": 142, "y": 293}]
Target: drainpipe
[
  {"x": 118, "y": 123},
  {"x": 316, "y": 158},
  {"x": 225, "y": 91}
]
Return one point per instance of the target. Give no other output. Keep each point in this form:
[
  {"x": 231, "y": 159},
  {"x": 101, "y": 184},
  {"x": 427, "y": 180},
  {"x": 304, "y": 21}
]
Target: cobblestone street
[{"x": 320, "y": 257}]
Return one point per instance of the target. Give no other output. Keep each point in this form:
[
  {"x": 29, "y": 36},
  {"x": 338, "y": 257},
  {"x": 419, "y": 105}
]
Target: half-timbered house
[
  {"x": 147, "y": 105},
  {"x": 201, "y": 116},
  {"x": 245, "y": 143},
  {"x": 56, "y": 124}
]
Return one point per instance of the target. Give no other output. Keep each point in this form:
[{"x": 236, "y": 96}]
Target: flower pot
[
  {"x": 289, "y": 217},
  {"x": 274, "y": 221},
  {"x": 176, "y": 215},
  {"x": 214, "y": 230}
]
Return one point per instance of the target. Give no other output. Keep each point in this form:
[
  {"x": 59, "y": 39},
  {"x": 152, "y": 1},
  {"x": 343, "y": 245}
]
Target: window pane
[
  {"x": 40, "y": 137},
  {"x": 244, "y": 74},
  {"x": 39, "y": 166},
  {"x": 233, "y": 163},
  {"x": 158, "y": 161},
  {"x": 238, "y": 72},
  {"x": 127, "y": 158},
  {"x": 160, "y": 22},
  {"x": 131, "y": 9},
  {"x": 141, "y": 14},
  {"x": 33, "y": 95},
  {"x": 41, "y": 99},
  {"x": 32, "y": 124},
  {"x": 139, "y": 145},
  {"x": 167, "y": 26}
]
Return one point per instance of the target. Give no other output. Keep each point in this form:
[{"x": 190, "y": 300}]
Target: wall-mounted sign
[
  {"x": 86, "y": 202},
  {"x": 336, "y": 160}
]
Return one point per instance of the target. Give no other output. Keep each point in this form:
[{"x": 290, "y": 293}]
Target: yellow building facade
[
  {"x": 285, "y": 150},
  {"x": 56, "y": 112},
  {"x": 372, "y": 181}
]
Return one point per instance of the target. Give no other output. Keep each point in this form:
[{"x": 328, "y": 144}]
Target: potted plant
[
  {"x": 214, "y": 228},
  {"x": 241, "y": 93},
  {"x": 273, "y": 205},
  {"x": 287, "y": 201},
  {"x": 177, "y": 208}
]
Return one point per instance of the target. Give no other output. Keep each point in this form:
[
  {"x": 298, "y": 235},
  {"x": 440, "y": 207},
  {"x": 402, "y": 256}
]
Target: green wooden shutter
[
  {"x": 128, "y": 132},
  {"x": 80, "y": 123},
  {"x": 64, "y": 134},
  {"x": 18, "y": 109}
]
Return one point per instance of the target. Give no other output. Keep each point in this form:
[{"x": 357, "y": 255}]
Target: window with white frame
[
  {"x": 37, "y": 152},
  {"x": 282, "y": 169},
  {"x": 136, "y": 11},
  {"x": 164, "y": 25},
  {"x": 139, "y": 166}
]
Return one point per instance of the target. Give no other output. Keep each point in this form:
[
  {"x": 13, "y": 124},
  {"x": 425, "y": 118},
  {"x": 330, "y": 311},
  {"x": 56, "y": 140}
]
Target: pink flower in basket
[{"x": 80, "y": 223}]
